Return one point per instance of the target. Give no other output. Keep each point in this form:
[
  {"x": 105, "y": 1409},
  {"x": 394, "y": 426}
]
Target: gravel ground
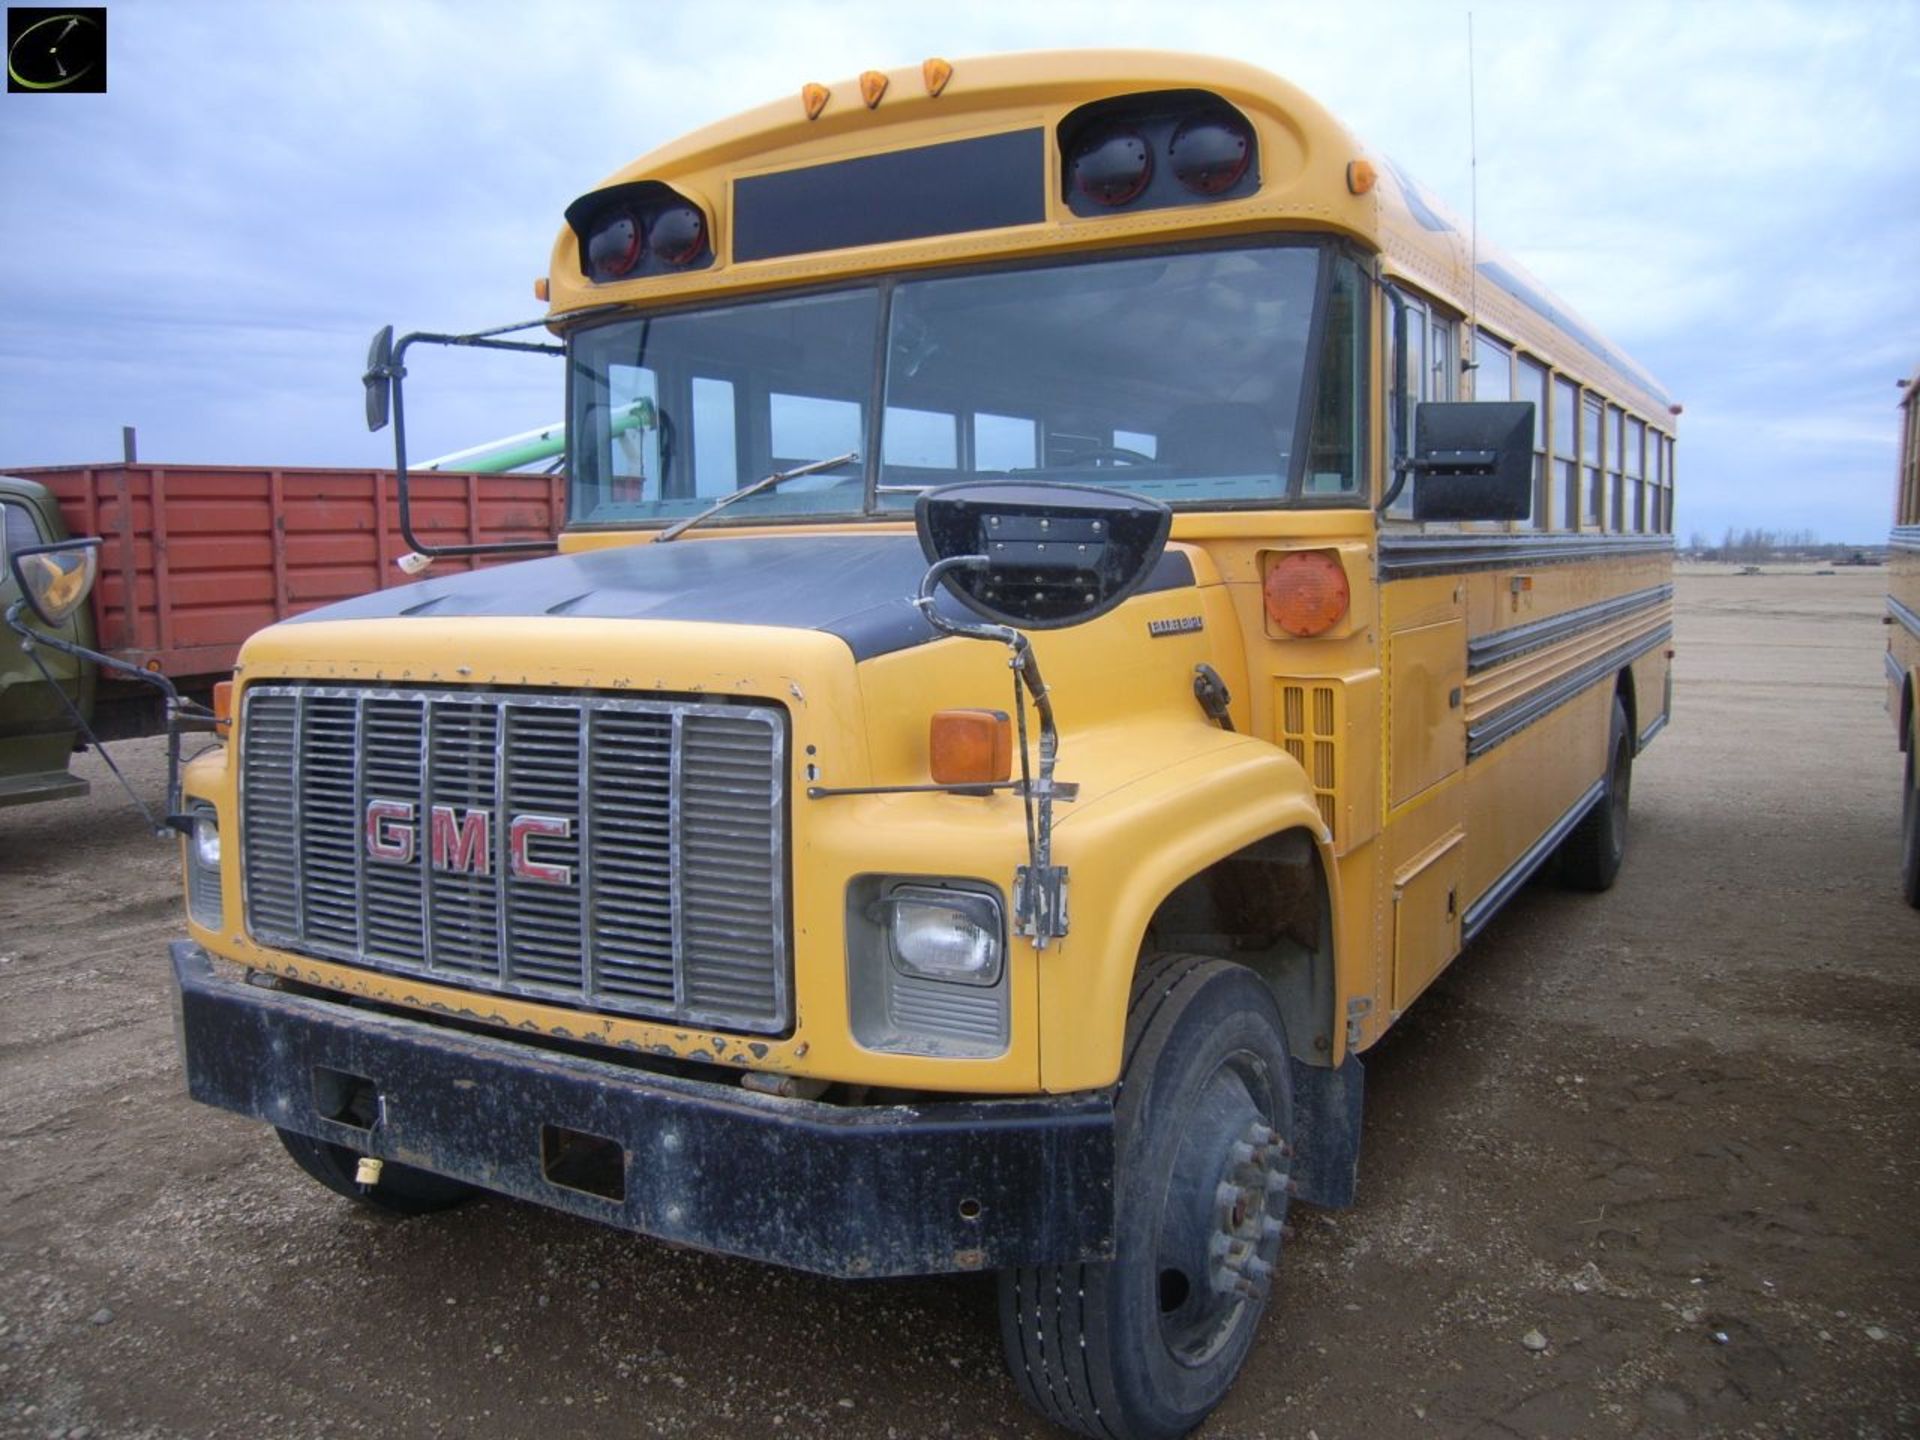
[{"x": 1639, "y": 1165}]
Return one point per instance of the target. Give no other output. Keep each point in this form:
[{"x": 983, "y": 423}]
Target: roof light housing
[
  {"x": 1156, "y": 150},
  {"x": 639, "y": 230},
  {"x": 1210, "y": 150},
  {"x": 1111, "y": 167}
]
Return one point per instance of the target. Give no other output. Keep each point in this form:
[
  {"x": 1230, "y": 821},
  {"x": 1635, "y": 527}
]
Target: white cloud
[{"x": 1730, "y": 190}]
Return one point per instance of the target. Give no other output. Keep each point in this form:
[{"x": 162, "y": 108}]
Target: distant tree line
[{"x": 1752, "y": 547}]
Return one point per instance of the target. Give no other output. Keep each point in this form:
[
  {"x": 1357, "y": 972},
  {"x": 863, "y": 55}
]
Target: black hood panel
[{"x": 858, "y": 587}]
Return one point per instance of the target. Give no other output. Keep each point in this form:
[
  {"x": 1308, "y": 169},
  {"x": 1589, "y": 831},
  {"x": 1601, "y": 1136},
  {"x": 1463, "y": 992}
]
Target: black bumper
[{"x": 838, "y": 1190}]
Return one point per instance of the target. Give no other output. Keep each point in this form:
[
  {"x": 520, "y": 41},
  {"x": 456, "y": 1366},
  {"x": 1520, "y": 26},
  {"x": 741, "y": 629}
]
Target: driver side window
[{"x": 20, "y": 531}]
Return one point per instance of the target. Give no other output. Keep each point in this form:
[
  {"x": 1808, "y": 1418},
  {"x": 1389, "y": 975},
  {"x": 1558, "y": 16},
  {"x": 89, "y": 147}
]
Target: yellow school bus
[
  {"x": 734, "y": 877},
  {"x": 1903, "y": 632}
]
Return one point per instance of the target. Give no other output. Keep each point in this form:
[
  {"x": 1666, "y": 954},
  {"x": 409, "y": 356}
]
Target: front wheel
[
  {"x": 1590, "y": 856},
  {"x": 1142, "y": 1347}
]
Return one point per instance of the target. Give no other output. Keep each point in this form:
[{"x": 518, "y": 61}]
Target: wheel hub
[
  {"x": 1256, "y": 1176},
  {"x": 1220, "y": 1227}
]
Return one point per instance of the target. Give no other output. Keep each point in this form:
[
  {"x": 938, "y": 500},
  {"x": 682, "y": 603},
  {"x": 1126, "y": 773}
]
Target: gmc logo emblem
[{"x": 460, "y": 842}]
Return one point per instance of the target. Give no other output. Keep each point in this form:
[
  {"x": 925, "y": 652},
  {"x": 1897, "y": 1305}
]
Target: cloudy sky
[{"x": 1730, "y": 190}]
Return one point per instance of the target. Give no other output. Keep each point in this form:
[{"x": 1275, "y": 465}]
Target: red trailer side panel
[{"x": 198, "y": 557}]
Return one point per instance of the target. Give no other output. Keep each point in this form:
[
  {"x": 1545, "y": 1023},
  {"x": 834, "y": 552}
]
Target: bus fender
[{"x": 1127, "y": 851}]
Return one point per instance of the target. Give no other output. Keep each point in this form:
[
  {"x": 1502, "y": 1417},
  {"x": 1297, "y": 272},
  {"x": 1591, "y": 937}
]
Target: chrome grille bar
[{"x": 655, "y": 874}]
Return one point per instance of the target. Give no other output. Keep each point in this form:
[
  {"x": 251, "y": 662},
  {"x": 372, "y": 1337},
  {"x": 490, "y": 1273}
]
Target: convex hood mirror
[
  {"x": 56, "y": 579},
  {"x": 1051, "y": 555}
]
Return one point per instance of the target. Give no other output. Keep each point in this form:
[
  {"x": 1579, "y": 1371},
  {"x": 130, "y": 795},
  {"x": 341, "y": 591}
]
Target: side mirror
[
  {"x": 379, "y": 377},
  {"x": 1473, "y": 460},
  {"x": 56, "y": 579},
  {"x": 1049, "y": 556}
]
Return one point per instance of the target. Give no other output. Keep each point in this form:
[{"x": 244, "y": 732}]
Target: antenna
[{"x": 1473, "y": 222}]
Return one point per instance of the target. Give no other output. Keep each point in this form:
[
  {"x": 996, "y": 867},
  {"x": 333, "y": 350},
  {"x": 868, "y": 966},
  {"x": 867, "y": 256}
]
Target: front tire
[
  {"x": 1591, "y": 854},
  {"x": 1142, "y": 1347},
  {"x": 402, "y": 1190}
]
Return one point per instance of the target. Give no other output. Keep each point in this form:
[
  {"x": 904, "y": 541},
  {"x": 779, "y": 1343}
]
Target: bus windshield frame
[{"x": 1181, "y": 373}]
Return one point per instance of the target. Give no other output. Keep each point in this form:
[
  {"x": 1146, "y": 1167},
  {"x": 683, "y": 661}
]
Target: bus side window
[
  {"x": 1533, "y": 386},
  {"x": 1423, "y": 363},
  {"x": 1005, "y": 442},
  {"x": 1616, "y": 470},
  {"x": 1591, "y": 411},
  {"x": 1637, "y": 474},
  {"x": 716, "y": 438},
  {"x": 804, "y": 428},
  {"x": 921, "y": 439},
  {"x": 1406, "y": 379},
  {"x": 1566, "y": 452},
  {"x": 635, "y": 465}
]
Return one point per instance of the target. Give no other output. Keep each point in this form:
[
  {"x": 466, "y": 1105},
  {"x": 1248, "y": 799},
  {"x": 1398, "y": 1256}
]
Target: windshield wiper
[{"x": 766, "y": 482}]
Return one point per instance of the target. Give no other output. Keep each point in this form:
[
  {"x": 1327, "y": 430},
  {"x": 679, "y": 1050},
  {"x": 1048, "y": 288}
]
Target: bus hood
[{"x": 859, "y": 588}]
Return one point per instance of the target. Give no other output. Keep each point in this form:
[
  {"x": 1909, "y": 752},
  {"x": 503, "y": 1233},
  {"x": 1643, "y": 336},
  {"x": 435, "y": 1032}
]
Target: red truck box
[{"x": 198, "y": 557}]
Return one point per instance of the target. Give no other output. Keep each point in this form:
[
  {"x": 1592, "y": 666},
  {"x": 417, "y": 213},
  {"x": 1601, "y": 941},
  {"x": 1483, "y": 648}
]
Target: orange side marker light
[
  {"x": 1361, "y": 177},
  {"x": 936, "y": 73},
  {"x": 970, "y": 747},
  {"x": 223, "y": 708},
  {"x": 1307, "y": 592},
  {"x": 873, "y": 84},
  {"x": 814, "y": 98}
]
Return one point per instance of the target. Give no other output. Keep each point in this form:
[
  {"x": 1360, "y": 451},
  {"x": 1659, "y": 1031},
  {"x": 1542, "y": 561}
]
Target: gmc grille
[{"x": 607, "y": 852}]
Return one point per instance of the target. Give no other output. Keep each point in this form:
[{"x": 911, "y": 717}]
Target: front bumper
[{"x": 833, "y": 1189}]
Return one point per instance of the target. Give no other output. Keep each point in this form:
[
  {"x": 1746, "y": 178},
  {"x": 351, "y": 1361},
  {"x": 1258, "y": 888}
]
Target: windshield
[{"x": 1180, "y": 376}]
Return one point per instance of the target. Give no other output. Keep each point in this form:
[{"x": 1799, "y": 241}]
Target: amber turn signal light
[
  {"x": 1307, "y": 592},
  {"x": 970, "y": 747},
  {"x": 223, "y": 707}
]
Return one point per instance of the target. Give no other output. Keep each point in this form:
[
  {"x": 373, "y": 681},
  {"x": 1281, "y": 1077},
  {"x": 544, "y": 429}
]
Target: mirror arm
[
  {"x": 182, "y": 714},
  {"x": 1040, "y": 886},
  {"x": 396, "y": 370},
  {"x": 1403, "y": 471}
]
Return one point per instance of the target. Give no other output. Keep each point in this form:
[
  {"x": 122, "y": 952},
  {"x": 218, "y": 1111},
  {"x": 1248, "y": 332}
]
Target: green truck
[{"x": 37, "y": 728}]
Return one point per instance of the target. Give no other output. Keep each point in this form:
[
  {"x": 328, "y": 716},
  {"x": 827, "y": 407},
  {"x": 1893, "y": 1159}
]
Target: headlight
[
  {"x": 206, "y": 839},
  {"x": 944, "y": 934},
  {"x": 203, "y": 869},
  {"x": 926, "y": 966}
]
